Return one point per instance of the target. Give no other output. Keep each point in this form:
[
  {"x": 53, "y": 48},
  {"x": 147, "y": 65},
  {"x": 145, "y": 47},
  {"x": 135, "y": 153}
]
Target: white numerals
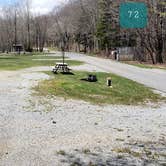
[{"x": 134, "y": 14}]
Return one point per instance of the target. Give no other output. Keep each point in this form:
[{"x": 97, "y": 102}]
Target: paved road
[{"x": 154, "y": 78}]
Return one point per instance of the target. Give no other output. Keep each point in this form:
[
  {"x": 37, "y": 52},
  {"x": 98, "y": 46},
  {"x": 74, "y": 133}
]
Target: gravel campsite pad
[{"x": 53, "y": 131}]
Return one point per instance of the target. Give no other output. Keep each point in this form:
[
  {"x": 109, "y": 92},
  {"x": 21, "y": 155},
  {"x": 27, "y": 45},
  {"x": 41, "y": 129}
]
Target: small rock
[
  {"x": 141, "y": 146},
  {"x": 54, "y": 122}
]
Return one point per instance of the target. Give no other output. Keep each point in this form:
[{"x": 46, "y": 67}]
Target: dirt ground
[{"x": 47, "y": 131}]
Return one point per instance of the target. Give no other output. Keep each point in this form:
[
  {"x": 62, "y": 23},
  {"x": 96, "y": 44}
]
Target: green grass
[
  {"x": 146, "y": 66},
  {"x": 150, "y": 66},
  {"x": 52, "y": 49},
  {"x": 12, "y": 62},
  {"x": 124, "y": 91},
  {"x": 142, "y": 66}
]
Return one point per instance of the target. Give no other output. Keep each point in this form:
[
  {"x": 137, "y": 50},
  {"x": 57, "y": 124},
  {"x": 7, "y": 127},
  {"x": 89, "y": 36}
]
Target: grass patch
[
  {"x": 52, "y": 49},
  {"x": 120, "y": 140},
  {"x": 61, "y": 152},
  {"x": 145, "y": 66},
  {"x": 15, "y": 62},
  {"x": 86, "y": 151},
  {"x": 128, "y": 151},
  {"x": 124, "y": 91}
]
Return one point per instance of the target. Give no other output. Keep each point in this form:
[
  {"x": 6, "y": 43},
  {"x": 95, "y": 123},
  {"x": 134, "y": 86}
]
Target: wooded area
[{"x": 89, "y": 26}]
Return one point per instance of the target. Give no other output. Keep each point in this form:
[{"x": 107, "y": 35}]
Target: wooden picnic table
[{"x": 61, "y": 67}]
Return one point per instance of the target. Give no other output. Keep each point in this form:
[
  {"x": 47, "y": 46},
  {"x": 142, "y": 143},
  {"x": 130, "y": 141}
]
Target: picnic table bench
[{"x": 61, "y": 67}]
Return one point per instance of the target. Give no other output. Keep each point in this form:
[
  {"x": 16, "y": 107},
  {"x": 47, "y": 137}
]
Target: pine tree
[{"x": 104, "y": 24}]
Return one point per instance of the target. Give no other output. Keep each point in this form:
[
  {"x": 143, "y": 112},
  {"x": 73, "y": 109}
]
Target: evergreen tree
[{"x": 104, "y": 28}]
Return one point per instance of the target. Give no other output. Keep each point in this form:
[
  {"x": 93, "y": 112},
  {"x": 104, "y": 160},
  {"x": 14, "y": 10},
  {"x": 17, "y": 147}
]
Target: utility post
[
  {"x": 15, "y": 28},
  {"x": 63, "y": 45}
]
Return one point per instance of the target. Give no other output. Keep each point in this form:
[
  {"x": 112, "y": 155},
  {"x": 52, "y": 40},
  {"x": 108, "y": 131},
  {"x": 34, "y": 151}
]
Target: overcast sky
[
  {"x": 38, "y": 6},
  {"x": 44, "y": 6}
]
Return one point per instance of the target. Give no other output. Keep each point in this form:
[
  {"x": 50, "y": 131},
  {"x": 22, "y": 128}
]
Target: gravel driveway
[
  {"x": 154, "y": 78},
  {"x": 44, "y": 131}
]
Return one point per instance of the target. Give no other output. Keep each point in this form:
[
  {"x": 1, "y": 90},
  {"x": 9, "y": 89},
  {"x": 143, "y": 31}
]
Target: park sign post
[{"x": 133, "y": 15}]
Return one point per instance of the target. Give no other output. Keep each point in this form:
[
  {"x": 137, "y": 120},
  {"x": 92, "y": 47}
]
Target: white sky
[
  {"x": 37, "y": 6},
  {"x": 45, "y": 6}
]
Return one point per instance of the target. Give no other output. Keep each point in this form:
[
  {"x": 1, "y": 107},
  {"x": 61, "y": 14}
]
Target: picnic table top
[
  {"x": 61, "y": 67},
  {"x": 62, "y": 64}
]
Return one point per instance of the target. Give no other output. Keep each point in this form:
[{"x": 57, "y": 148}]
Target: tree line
[
  {"x": 89, "y": 26},
  {"x": 19, "y": 26}
]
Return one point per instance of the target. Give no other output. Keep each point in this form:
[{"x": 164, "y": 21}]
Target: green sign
[{"x": 133, "y": 15}]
